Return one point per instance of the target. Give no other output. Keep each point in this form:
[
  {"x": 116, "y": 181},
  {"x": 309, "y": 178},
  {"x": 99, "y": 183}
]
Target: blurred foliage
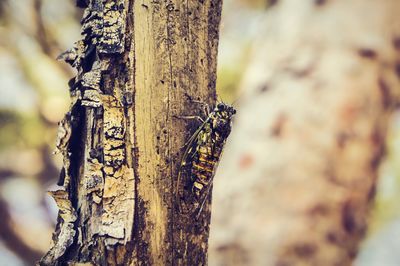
[
  {"x": 20, "y": 130},
  {"x": 34, "y": 97}
]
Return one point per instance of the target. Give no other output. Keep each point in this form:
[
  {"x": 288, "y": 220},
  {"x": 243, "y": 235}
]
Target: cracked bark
[
  {"x": 300, "y": 168},
  {"x": 138, "y": 65}
]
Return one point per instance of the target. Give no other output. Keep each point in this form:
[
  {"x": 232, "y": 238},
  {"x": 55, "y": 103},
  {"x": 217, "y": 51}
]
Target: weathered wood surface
[
  {"x": 299, "y": 170},
  {"x": 139, "y": 64}
]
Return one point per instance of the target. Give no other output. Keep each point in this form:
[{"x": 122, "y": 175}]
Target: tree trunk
[
  {"x": 139, "y": 65},
  {"x": 299, "y": 171}
]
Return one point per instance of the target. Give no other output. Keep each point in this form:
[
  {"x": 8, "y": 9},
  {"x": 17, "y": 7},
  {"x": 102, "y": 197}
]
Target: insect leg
[
  {"x": 206, "y": 107},
  {"x": 190, "y": 117}
]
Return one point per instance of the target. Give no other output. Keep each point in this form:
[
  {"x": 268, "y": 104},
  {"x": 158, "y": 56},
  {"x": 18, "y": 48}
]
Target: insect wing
[
  {"x": 192, "y": 142},
  {"x": 190, "y": 151}
]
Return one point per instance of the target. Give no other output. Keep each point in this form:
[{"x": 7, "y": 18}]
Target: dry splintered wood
[
  {"x": 299, "y": 171},
  {"x": 138, "y": 65}
]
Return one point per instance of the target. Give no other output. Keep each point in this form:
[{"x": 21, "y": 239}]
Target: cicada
[{"x": 202, "y": 155}]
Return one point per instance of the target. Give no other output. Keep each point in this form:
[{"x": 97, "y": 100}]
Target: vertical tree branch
[{"x": 139, "y": 65}]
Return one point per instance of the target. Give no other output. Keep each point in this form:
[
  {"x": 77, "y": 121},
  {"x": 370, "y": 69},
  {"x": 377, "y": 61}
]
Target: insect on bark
[{"x": 201, "y": 158}]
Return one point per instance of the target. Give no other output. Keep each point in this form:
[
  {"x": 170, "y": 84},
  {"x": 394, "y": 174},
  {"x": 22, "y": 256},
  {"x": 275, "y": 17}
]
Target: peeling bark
[
  {"x": 138, "y": 65},
  {"x": 300, "y": 168}
]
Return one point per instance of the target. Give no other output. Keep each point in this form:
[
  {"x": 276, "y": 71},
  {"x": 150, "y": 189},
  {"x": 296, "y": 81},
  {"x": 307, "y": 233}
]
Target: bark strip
[{"x": 175, "y": 58}]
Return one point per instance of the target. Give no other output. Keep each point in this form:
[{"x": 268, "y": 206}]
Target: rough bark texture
[
  {"x": 299, "y": 170},
  {"x": 139, "y": 64}
]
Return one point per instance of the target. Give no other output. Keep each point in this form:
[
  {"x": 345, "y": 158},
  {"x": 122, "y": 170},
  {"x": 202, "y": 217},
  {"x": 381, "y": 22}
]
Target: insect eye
[{"x": 220, "y": 106}]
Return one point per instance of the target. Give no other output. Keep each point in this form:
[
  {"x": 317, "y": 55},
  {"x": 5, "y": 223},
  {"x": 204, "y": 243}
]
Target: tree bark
[
  {"x": 139, "y": 65},
  {"x": 299, "y": 171}
]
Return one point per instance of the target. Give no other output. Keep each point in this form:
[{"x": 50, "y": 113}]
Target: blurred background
[{"x": 34, "y": 97}]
